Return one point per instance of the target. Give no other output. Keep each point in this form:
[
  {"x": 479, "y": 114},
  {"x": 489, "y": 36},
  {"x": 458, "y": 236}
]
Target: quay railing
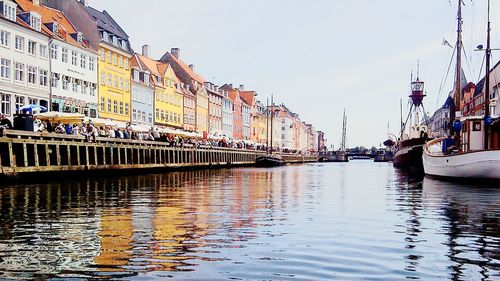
[{"x": 24, "y": 152}]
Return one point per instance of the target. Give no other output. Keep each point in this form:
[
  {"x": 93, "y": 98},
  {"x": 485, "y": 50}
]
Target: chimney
[
  {"x": 175, "y": 52},
  {"x": 231, "y": 86},
  {"x": 36, "y": 2},
  {"x": 242, "y": 87},
  {"x": 84, "y": 2},
  {"x": 146, "y": 50},
  {"x": 191, "y": 66}
]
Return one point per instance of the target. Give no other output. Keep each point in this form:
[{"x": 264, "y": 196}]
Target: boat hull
[
  {"x": 483, "y": 164},
  {"x": 268, "y": 161},
  {"x": 409, "y": 157},
  {"x": 471, "y": 165}
]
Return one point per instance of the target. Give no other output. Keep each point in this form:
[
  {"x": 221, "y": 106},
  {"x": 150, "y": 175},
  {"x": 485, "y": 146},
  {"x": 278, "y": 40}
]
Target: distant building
[
  {"x": 142, "y": 93},
  {"x": 215, "y": 109},
  {"x": 227, "y": 113}
]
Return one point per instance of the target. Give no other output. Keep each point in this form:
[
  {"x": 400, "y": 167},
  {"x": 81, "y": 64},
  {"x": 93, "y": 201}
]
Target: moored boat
[
  {"x": 473, "y": 149},
  {"x": 408, "y": 154},
  {"x": 270, "y": 161}
]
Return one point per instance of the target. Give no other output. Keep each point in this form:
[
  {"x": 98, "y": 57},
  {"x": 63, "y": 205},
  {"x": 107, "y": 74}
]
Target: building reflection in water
[{"x": 123, "y": 226}]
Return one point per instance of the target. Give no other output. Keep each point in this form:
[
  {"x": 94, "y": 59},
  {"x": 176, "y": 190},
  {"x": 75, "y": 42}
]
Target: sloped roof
[
  {"x": 248, "y": 97},
  {"x": 50, "y": 15},
  {"x": 106, "y": 22},
  {"x": 186, "y": 69}
]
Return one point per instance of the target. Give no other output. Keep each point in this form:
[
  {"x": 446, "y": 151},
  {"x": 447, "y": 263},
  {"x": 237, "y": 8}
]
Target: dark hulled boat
[
  {"x": 409, "y": 150},
  {"x": 269, "y": 161}
]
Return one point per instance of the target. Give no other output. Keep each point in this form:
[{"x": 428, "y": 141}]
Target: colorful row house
[
  {"x": 69, "y": 57},
  {"x": 115, "y": 53},
  {"x": 24, "y": 59},
  {"x": 73, "y": 63}
]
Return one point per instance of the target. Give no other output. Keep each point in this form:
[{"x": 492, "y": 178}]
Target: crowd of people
[{"x": 92, "y": 131}]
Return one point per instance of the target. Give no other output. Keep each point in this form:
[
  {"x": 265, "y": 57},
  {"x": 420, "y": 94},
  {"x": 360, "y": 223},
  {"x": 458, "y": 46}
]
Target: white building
[
  {"x": 227, "y": 114},
  {"x": 24, "y": 60},
  {"x": 73, "y": 63},
  {"x": 142, "y": 94},
  {"x": 246, "y": 119}
]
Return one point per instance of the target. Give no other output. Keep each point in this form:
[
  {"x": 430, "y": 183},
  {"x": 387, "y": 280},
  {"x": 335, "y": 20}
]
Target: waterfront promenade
[{"x": 23, "y": 153}]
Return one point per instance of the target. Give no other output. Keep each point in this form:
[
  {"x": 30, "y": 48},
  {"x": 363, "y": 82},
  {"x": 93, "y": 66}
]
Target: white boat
[
  {"x": 473, "y": 151},
  {"x": 481, "y": 164}
]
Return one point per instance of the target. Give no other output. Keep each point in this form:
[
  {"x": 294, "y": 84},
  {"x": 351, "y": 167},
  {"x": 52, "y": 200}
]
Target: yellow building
[
  {"x": 168, "y": 103},
  {"x": 114, "y": 83}
]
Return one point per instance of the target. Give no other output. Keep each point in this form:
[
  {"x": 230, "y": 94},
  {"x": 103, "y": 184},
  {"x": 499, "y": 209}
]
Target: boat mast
[
  {"x": 458, "y": 78},
  {"x": 272, "y": 116},
  {"x": 487, "y": 82},
  {"x": 267, "y": 125},
  {"x": 344, "y": 131}
]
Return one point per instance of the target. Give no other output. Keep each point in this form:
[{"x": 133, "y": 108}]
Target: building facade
[
  {"x": 227, "y": 114},
  {"x": 215, "y": 109},
  {"x": 73, "y": 71},
  {"x": 24, "y": 59},
  {"x": 142, "y": 94},
  {"x": 105, "y": 35}
]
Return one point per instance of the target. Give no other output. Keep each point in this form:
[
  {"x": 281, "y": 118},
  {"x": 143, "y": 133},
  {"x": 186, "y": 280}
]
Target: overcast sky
[{"x": 318, "y": 57}]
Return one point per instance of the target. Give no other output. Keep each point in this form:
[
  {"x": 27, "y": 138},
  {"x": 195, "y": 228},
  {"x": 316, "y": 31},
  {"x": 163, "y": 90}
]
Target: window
[
  {"x": 103, "y": 104},
  {"x": 9, "y": 11},
  {"x": 5, "y": 68},
  {"x": 5, "y": 108},
  {"x": 157, "y": 113},
  {"x": 103, "y": 55},
  {"x": 121, "y": 107},
  {"x": 74, "y": 58},
  {"x": 134, "y": 115},
  {"x": 121, "y": 83},
  {"x": 83, "y": 61},
  {"x": 109, "y": 57},
  {"x": 43, "y": 51},
  {"x": 35, "y": 21},
  {"x": 110, "y": 80},
  {"x": 44, "y": 77},
  {"x": 103, "y": 78},
  {"x": 31, "y": 47},
  {"x": 19, "y": 43},
  {"x": 126, "y": 63},
  {"x": 115, "y": 84},
  {"x": 19, "y": 102},
  {"x": 53, "y": 51},
  {"x": 115, "y": 107},
  {"x": 31, "y": 74},
  {"x": 126, "y": 109},
  {"x": 120, "y": 61},
  {"x": 54, "y": 81},
  {"x": 64, "y": 55},
  {"x": 76, "y": 85},
  {"x": 109, "y": 105},
  {"x": 91, "y": 64},
  {"x": 5, "y": 38},
  {"x": 19, "y": 72},
  {"x": 115, "y": 59},
  {"x": 65, "y": 83},
  {"x": 92, "y": 89}
]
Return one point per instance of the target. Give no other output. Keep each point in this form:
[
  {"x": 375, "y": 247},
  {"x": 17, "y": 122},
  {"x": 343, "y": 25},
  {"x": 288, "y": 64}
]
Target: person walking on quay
[{"x": 4, "y": 124}]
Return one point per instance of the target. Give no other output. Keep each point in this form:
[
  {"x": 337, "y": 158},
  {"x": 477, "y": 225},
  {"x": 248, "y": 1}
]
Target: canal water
[{"x": 349, "y": 221}]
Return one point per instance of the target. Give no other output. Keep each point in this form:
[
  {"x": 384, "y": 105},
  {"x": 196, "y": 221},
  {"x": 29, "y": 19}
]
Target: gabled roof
[
  {"x": 248, "y": 97},
  {"x": 50, "y": 15},
  {"x": 106, "y": 22},
  {"x": 185, "y": 68}
]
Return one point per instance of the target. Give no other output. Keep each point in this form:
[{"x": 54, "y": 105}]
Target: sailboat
[
  {"x": 408, "y": 154},
  {"x": 472, "y": 150},
  {"x": 270, "y": 159}
]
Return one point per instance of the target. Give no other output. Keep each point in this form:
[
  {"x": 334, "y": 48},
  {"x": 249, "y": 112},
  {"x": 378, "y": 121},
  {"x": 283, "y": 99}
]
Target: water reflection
[{"x": 311, "y": 222}]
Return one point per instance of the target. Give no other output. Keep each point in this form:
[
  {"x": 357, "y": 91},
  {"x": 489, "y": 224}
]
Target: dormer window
[
  {"x": 115, "y": 40},
  {"x": 55, "y": 28},
  {"x": 36, "y": 21},
  {"x": 79, "y": 37},
  {"x": 105, "y": 36},
  {"x": 9, "y": 10}
]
